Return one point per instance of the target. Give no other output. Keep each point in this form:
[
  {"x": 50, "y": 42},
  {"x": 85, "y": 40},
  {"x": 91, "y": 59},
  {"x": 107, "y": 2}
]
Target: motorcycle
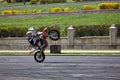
[{"x": 39, "y": 55}]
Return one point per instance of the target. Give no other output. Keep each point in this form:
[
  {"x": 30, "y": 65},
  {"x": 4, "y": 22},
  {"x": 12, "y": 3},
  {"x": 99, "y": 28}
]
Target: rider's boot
[{"x": 32, "y": 50}]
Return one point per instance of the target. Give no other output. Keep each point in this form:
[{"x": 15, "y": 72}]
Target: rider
[{"x": 35, "y": 37}]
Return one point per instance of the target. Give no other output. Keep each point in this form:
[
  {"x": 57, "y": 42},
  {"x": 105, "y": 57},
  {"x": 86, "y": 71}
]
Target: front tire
[
  {"x": 54, "y": 35},
  {"x": 39, "y": 57}
]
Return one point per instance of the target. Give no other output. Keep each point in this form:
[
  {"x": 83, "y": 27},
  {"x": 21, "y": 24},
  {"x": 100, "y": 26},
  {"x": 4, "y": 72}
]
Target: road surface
[{"x": 60, "y": 68}]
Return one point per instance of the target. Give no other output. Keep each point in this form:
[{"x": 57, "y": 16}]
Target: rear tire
[{"x": 39, "y": 57}]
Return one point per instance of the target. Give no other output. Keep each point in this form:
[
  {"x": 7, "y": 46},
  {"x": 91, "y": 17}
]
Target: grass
[{"x": 62, "y": 21}]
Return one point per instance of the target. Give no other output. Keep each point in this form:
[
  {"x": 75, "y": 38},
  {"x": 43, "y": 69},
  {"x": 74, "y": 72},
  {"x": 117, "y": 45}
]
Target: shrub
[
  {"x": 63, "y": 1},
  {"x": 18, "y": 0},
  {"x": 51, "y": 1},
  {"x": 6, "y": 12},
  {"x": 77, "y": 0},
  {"x": 13, "y": 12},
  {"x": 33, "y": 1},
  {"x": 55, "y": 10},
  {"x": 90, "y": 30},
  {"x": 10, "y": 12},
  {"x": 118, "y": 27},
  {"x": 13, "y": 32},
  {"x": 66, "y": 9},
  {"x": 88, "y": 7},
  {"x": 108, "y": 5},
  {"x": 95, "y": 30},
  {"x": 42, "y": 1},
  {"x": 21, "y": 31},
  {"x": 17, "y": 31},
  {"x": 4, "y": 32},
  {"x": 36, "y": 11},
  {"x": 59, "y": 9}
]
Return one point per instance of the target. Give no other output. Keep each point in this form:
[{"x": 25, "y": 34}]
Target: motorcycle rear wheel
[{"x": 39, "y": 57}]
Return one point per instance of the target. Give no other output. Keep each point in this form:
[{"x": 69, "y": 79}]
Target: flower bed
[{"x": 12, "y": 12}]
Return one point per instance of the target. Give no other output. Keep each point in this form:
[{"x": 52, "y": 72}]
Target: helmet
[
  {"x": 31, "y": 28},
  {"x": 29, "y": 33}
]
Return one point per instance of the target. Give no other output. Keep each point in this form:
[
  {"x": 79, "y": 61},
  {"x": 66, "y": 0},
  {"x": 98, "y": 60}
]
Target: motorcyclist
[{"x": 35, "y": 37}]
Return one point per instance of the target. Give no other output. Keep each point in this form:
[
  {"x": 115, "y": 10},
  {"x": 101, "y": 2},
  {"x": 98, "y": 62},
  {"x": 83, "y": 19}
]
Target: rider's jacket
[
  {"x": 31, "y": 41},
  {"x": 34, "y": 41}
]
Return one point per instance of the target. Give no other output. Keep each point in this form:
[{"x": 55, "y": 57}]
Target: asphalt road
[{"x": 60, "y": 68}]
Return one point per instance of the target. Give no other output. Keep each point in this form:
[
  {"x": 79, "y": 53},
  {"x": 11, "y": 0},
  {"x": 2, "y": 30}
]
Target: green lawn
[{"x": 62, "y": 21}]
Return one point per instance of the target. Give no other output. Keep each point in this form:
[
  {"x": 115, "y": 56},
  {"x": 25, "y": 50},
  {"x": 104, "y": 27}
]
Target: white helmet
[
  {"x": 29, "y": 33},
  {"x": 31, "y": 28}
]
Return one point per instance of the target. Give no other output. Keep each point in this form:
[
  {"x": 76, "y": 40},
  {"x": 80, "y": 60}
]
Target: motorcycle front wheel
[
  {"x": 39, "y": 56},
  {"x": 54, "y": 35}
]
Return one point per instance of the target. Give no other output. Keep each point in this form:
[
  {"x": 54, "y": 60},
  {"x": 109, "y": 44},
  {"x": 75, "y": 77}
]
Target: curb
[
  {"x": 63, "y": 53},
  {"x": 69, "y": 51}
]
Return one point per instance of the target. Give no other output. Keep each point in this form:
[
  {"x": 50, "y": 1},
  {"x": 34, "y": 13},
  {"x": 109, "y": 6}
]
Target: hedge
[
  {"x": 21, "y": 31},
  {"x": 33, "y": 1},
  {"x": 88, "y": 7},
  {"x": 93, "y": 30},
  {"x": 59, "y": 9},
  {"x": 108, "y": 5},
  {"x": 13, "y": 12},
  {"x": 51, "y": 1},
  {"x": 13, "y": 32},
  {"x": 82, "y": 0},
  {"x": 105, "y": 5}
]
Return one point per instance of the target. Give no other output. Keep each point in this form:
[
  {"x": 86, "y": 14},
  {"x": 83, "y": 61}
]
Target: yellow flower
[{"x": 66, "y": 9}]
